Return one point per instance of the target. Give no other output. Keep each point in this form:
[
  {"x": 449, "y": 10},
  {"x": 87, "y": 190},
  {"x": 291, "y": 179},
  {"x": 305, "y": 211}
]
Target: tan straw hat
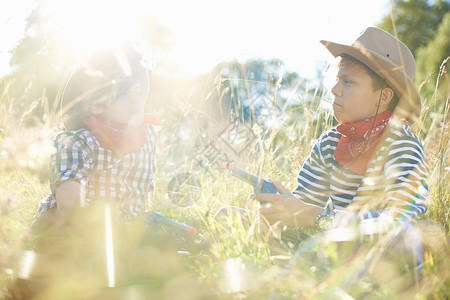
[
  {"x": 389, "y": 58},
  {"x": 107, "y": 74}
]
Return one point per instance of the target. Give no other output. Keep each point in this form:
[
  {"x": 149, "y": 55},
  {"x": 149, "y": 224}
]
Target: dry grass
[{"x": 238, "y": 262}]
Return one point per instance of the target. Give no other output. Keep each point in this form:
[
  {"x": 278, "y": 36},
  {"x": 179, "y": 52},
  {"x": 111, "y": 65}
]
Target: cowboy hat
[
  {"x": 389, "y": 58},
  {"x": 105, "y": 76}
]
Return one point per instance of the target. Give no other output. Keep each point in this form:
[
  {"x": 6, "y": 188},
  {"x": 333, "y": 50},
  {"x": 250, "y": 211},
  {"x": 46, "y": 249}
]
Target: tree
[
  {"x": 416, "y": 21},
  {"x": 424, "y": 26},
  {"x": 45, "y": 57},
  {"x": 249, "y": 90},
  {"x": 37, "y": 65},
  {"x": 430, "y": 58}
]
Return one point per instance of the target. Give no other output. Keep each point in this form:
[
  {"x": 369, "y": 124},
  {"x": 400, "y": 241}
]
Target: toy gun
[
  {"x": 259, "y": 185},
  {"x": 170, "y": 226}
]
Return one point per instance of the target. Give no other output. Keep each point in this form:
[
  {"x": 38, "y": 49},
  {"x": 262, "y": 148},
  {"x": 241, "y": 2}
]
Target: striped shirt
[
  {"x": 127, "y": 180},
  {"x": 393, "y": 188}
]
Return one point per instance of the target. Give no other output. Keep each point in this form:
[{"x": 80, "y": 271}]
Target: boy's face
[
  {"x": 128, "y": 108},
  {"x": 354, "y": 97}
]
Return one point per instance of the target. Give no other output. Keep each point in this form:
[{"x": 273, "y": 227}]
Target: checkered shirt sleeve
[{"x": 73, "y": 158}]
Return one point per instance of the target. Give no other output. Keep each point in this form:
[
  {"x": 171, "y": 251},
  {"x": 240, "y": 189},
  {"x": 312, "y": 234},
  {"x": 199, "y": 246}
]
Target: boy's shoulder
[
  {"x": 327, "y": 142},
  {"x": 74, "y": 134},
  {"x": 150, "y": 129},
  {"x": 331, "y": 135},
  {"x": 401, "y": 140},
  {"x": 402, "y": 132},
  {"x": 70, "y": 137}
]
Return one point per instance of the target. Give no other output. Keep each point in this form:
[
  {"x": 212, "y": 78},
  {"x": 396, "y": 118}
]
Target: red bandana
[
  {"x": 119, "y": 137},
  {"x": 357, "y": 144}
]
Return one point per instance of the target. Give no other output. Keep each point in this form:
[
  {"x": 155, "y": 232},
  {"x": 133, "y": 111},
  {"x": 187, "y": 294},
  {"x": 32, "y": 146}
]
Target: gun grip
[
  {"x": 265, "y": 187},
  {"x": 268, "y": 187}
]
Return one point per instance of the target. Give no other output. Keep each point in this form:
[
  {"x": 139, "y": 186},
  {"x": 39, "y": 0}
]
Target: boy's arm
[
  {"x": 307, "y": 201},
  {"x": 286, "y": 208},
  {"x": 313, "y": 180},
  {"x": 69, "y": 166},
  {"x": 406, "y": 191},
  {"x": 68, "y": 194}
]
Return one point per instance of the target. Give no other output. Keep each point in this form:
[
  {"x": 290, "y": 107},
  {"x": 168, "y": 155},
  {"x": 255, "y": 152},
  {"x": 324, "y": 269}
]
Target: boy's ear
[
  {"x": 97, "y": 109},
  {"x": 386, "y": 95}
]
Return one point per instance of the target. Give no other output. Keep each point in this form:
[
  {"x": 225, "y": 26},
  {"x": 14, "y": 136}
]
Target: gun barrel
[
  {"x": 243, "y": 175},
  {"x": 259, "y": 185},
  {"x": 169, "y": 224}
]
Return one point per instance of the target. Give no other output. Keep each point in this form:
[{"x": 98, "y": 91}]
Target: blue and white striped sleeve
[
  {"x": 406, "y": 173},
  {"x": 313, "y": 180}
]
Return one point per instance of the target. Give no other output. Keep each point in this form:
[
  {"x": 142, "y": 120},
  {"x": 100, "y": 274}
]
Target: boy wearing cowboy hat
[
  {"x": 370, "y": 166},
  {"x": 106, "y": 154}
]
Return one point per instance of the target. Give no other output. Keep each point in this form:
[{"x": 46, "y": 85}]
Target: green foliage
[
  {"x": 424, "y": 26},
  {"x": 415, "y": 22},
  {"x": 36, "y": 79},
  {"x": 44, "y": 59},
  {"x": 229, "y": 259},
  {"x": 429, "y": 61}
]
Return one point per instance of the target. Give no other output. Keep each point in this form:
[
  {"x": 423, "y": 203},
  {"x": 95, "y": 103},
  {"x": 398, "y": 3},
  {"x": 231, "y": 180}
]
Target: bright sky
[{"x": 206, "y": 32}]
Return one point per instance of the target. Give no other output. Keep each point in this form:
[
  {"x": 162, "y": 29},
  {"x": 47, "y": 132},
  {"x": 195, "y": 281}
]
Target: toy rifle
[
  {"x": 171, "y": 226},
  {"x": 259, "y": 185}
]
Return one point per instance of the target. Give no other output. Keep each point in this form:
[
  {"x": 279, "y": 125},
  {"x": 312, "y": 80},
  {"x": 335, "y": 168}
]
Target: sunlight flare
[
  {"x": 234, "y": 268},
  {"x": 109, "y": 247},
  {"x": 27, "y": 264},
  {"x": 91, "y": 25}
]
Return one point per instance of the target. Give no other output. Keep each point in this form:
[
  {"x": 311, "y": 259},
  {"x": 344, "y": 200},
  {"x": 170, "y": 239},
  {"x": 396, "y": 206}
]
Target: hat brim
[
  {"x": 409, "y": 105},
  {"x": 76, "y": 99}
]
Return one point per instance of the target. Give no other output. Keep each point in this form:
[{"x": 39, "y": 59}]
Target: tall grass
[{"x": 228, "y": 259}]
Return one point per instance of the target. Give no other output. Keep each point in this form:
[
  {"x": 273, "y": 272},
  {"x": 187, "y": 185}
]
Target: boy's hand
[
  {"x": 68, "y": 195},
  {"x": 286, "y": 208}
]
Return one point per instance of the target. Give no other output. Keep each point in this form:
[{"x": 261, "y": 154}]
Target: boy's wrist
[{"x": 307, "y": 214}]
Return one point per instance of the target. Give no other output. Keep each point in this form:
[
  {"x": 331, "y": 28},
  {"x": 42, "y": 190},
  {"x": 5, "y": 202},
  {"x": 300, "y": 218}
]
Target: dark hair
[
  {"x": 377, "y": 81},
  {"x": 105, "y": 77}
]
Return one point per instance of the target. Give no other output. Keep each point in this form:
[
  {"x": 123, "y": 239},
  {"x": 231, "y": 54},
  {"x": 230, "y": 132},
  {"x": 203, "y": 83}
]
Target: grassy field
[{"x": 224, "y": 261}]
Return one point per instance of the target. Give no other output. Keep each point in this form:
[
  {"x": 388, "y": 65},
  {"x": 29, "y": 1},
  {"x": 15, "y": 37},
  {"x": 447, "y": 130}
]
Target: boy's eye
[
  {"x": 121, "y": 90},
  {"x": 343, "y": 80}
]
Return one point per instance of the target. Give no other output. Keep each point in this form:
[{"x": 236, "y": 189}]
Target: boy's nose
[
  {"x": 336, "y": 90},
  {"x": 136, "y": 96}
]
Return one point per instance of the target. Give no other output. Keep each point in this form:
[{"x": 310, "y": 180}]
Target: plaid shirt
[{"x": 127, "y": 180}]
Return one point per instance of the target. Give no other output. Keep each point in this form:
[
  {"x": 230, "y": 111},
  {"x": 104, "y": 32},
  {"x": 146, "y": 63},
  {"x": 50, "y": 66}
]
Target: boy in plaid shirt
[
  {"x": 107, "y": 152},
  {"x": 101, "y": 175}
]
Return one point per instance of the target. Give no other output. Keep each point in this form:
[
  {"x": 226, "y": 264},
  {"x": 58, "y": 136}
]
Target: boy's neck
[{"x": 384, "y": 112}]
